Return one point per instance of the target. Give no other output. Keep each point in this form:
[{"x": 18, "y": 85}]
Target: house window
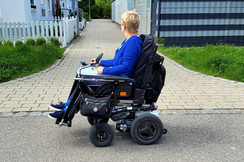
[
  {"x": 32, "y": 2},
  {"x": 43, "y": 13}
]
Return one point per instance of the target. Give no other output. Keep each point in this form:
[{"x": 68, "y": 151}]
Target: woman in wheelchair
[{"x": 124, "y": 61}]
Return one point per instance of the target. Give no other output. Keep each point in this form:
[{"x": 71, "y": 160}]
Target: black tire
[
  {"x": 104, "y": 90},
  {"x": 146, "y": 129},
  {"x": 102, "y": 135},
  {"x": 95, "y": 120}
]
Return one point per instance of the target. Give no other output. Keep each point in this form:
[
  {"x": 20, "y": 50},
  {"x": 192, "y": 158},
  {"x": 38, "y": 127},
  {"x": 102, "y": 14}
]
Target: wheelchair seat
[{"x": 136, "y": 89}]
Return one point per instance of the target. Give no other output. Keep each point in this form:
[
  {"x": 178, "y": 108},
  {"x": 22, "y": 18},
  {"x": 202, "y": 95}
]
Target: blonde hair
[{"x": 132, "y": 21}]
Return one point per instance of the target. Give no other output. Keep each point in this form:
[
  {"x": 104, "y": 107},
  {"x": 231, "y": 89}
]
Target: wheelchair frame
[{"x": 129, "y": 110}]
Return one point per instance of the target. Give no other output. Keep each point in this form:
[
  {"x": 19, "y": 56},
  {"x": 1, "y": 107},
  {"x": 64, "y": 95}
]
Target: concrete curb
[{"x": 161, "y": 112}]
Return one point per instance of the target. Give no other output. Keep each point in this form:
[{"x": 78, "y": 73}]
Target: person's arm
[
  {"x": 129, "y": 60},
  {"x": 107, "y": 63}
]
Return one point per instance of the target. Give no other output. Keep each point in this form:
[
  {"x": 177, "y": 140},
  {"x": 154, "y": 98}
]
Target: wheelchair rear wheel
[
  {"x": 146, "y": 129},
  {"x": 101, "y": 135}
]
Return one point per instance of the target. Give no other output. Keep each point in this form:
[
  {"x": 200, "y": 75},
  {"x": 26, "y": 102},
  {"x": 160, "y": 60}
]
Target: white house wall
[
  {"x": 13, "y": 10},
  {"x": 142, "y": 7},
  {"x": 119, "y": 7},
  {"x": 20, "y": 10}
]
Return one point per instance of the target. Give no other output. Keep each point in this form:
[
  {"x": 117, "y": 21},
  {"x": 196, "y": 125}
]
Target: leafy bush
[
  {"x": 0, "y": 43},
  {"x": 30, "y": 42},
  {"x": 160, "y": 40},
  {"x": 55, "y": 42},
  {"x": 19, "y": 43},
  {"x": 40, "y": 41},
  {"x": 8, "y": 43},
  {"x": 75, "y": 35}
]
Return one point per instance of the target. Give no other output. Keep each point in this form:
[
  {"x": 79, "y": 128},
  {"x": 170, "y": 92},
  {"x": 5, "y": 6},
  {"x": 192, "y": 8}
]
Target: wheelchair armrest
[{"x": 118, "y": 78}]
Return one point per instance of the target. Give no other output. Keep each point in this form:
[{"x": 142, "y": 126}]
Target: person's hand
[
  {"x": 93, "y": 61},
  {"x": 100, "y": 70}
]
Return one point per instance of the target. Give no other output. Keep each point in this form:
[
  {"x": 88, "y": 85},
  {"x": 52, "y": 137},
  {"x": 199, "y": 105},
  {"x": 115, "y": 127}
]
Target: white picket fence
[{"x": 63, "y": 29}]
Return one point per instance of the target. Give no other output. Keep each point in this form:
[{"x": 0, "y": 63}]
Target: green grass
[
  {"x": 17, "y": 62},
  {"x": 225, "y": 61}
]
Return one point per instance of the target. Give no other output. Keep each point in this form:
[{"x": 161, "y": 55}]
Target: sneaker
[
  {"x": 56, "y": 114},
  {"x": 58, "y": 107}
]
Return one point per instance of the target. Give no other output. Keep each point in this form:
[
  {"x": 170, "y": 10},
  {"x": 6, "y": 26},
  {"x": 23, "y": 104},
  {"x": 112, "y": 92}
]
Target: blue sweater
[{"x": 125, "y": 58}]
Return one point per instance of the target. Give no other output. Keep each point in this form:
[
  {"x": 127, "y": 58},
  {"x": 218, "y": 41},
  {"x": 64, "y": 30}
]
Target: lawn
[
  {"x": 17, "y": 62},
  {"x": 225, "y": 61}
]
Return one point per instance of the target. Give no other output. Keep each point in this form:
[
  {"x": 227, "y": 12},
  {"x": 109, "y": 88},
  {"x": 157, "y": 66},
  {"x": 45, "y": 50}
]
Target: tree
[{"x": 98, "y": 8}]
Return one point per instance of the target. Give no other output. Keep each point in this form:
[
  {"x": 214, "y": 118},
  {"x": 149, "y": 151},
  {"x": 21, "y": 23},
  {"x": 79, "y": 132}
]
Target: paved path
[
  {"x": 194, "y": 138},
  {"x": 184, "y": 89}
]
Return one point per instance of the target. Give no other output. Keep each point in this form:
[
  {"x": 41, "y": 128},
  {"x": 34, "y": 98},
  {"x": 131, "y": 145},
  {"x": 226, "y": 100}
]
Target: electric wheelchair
[{"x": 130, "y": 102}]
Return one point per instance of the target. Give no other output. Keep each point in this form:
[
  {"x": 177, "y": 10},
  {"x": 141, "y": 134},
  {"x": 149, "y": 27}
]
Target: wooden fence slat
[
  {"x": 2, "y": 28},
  {"x": 47, "y": 31},
  {"x": 10, "y": 31},
  {"x": 33, "y": 30},
  {"x": 61, "y": 31},
  {"x": 56, "y": 28},
  {"x": 28, "y": 29},
  {"x": 6, "y": 31},
  {"x": 19, "y": 31},
  {"x": 24, "y": 32},
  {"x": 42, "y": 29},
  {"x": 15, "y": 32},
  {"x": 65, "y": 37},
  {"x": 51, "y": 28},
  {"x": 37, "y": 29}
]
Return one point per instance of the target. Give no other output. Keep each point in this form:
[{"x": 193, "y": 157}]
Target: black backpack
[{"x": 149, "y": 73}]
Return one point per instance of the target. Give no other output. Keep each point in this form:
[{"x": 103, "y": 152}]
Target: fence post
[{"x": 24, "y": 32}]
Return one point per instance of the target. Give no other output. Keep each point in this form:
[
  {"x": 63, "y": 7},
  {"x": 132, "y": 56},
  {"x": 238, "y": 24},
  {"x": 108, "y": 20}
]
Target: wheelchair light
[
  {"x": 155, "y": 106},
  {"x": 122, "y": 93}
]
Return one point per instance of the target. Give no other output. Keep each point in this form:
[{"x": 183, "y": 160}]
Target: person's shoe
[
  {"x": 56, "y": 114},
  {"x": 58, "y": 107}
]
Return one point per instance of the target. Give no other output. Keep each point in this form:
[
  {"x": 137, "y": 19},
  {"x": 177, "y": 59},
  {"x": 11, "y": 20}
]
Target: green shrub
[
  {"x": 55, "y": 42},
  {"x": 40, "y": 41},
  {"x": 75, "y": 35},
  {"x": 160, "y": 40},
  {"x": 0, "y": 43},
  {"x": 19, "y": 43},
  {"x": 30, "y": 42},
  {"x": 9, "y": 43}
]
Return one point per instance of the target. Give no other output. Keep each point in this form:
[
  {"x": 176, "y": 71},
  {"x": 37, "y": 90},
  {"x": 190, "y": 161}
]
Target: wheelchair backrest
[
  {"x": 147, "y": 72},
  {"x": 144, "y": 68}
]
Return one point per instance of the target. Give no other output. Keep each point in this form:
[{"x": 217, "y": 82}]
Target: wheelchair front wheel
[
  {"x": 95, "y": 120},
  {"x": 146, "y": 129},
  {"x": 101, "y": 135}
]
